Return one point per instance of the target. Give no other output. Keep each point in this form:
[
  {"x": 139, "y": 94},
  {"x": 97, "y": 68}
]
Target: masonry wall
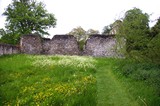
[
  {"x": 62, "y": 44},
  {"x": 59, "y": 44},
  {"x": 100, "y": 45},
  {"x": 8, "y": 49},
  {"x": 46, "y": 45},
  {"x": 96, "y": 45},
  {"x": 31, "y": 44}
]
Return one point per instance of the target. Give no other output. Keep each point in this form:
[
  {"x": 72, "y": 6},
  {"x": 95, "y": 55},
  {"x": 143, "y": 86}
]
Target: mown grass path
[{"x": 111, "y": 91}]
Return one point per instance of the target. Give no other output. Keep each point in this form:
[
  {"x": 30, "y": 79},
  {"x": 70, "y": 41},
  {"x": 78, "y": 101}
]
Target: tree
[
  {"x": 135, "y": 31},
  {"x": 107, "y": 29},
  {"x": 155, "y": 30},
  {"x": 82, "y": 35},
  {"x": 2, "y": 32},
  {"x": 9, "y": 37},
  {"x": 79, "y": 33},
  {"x": 25, "y": 17},
  {"x": 153, "y": 51},
  {"x": 92, "y": 31},
  {"x": 113, "y": 28}
]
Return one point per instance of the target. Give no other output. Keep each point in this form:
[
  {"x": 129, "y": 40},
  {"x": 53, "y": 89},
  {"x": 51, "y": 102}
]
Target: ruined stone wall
[
  {"x": 31, "y": 44},
  {"x": 8, "y": 49},
  {"x": 100, "y": 45},
  {"x": 96, "y": 45},
  {"x": 63, "y": 44},
  {"x": 46, "y": 45},
  {"x": 59, "y": 44}
]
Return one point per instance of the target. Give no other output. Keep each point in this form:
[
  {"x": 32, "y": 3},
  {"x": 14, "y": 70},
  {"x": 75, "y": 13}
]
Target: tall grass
[
  {"x": 144, "y": 78},
  {"x": 76, "y": 81},
  {"x": 47, "y": 80}
]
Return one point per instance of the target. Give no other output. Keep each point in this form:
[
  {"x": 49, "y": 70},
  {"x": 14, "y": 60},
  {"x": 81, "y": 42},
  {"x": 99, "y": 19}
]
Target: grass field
[{"x": 70, "y": 81}]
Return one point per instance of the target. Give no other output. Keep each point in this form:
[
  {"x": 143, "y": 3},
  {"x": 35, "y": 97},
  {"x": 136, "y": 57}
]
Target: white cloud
[{"x": 91, "y": 13}]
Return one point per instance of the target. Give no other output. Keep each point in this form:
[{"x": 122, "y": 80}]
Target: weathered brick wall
[
  {"x": 63, "y": 44},
  {"x": 8, "y": 49},
  {"x": 100, "y": 45},
  {"x": 31, "y": 44}
]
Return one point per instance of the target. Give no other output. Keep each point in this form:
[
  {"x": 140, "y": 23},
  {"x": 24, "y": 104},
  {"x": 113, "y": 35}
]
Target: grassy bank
[{"x": 77, "y": 81}]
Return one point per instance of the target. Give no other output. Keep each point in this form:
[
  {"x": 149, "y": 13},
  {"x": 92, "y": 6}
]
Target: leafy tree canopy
[
  {"x": 113, "y": 28},
  {"x": 135, "y": 29},
  {"x": 25, "y": 17},
  {"x": 81, "y": 34},
  {"x": 153, "y": 51},
  {"x": 78, "y": 32},
  {"x": 92, "y": 31},
  {"x": 155, "y": 30},
  {"x": 107, "y": 30}
]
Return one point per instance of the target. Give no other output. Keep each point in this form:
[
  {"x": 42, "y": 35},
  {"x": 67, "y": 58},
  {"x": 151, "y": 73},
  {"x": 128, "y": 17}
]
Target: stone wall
[
  {"x": 31, "y": 44},
  {"x": 100, "y": 45},
  {"x": 96, "y": 45},
  {"x": 8, "y": 49},
  {"x": 46, "y": 45},
  {"x": 59, "y": 44},
  {"x": 62, "y": 44}
]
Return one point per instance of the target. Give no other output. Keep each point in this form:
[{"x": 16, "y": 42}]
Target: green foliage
[
  {"x": 141, "y": 46},
  {"x": 25, "y": 17},
  {"x": 153, "y": 51},
  {"x": 79, "y": 33},
  {"x": 112, "y": 28},
  {"x": 107, "y": 29},
  {"x": 135, "y": 40},
  {"x": 142, "y": 73},
  {"x": 81, "y": 44},
  {"x": 9, "y": 37},
  {"x": 135, "y": 30},
  {"x": 91, "y": 32},
  {"x": 82, "y": 35},
  {"x": 155, "y": 30},
  {"x": 2, "y": 32},
  {"x": 120, "y": 82}
]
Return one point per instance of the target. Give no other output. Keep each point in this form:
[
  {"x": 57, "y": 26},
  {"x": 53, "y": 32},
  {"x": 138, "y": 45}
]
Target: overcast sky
[{"x": 88, "y": 14}]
